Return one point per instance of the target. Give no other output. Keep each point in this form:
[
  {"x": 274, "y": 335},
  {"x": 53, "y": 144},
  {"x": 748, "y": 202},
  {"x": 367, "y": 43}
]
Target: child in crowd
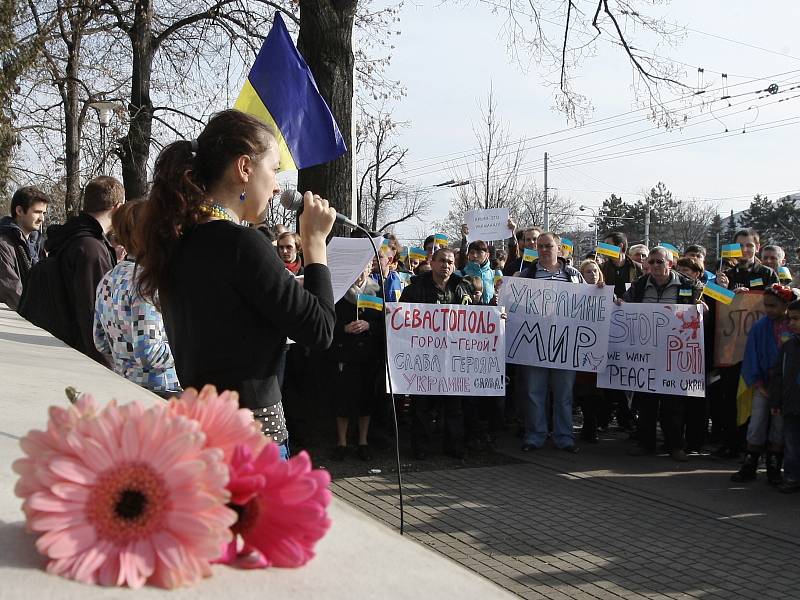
[
  {"x": 586, "y": 394},
  {"x": 784, "y": 399},
  {"x": 392, "y": 284},
  {"x": 760, "y": 355}
]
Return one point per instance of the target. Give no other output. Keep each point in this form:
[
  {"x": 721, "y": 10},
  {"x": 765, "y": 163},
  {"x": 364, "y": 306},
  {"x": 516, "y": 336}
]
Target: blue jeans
[
  {"x": 535, "y": 383},
  {"x": 284, "y": 450},
  {"x": 791, "y": 448}
]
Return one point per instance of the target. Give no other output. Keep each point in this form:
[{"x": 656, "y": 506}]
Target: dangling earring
[{"x": 242, "y": 196}]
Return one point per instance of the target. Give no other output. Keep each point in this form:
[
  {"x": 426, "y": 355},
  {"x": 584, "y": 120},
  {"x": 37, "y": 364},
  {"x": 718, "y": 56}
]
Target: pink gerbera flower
[
  {"x": 224, "y": 423},
  {"x": 282, "y": 508},
  {"x": 125, "y": 495}
]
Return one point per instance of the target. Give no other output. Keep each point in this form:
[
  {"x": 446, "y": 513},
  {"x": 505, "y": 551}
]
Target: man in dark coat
[
  {"x": 79, "y": 254},
  {"x": 20, "y": 242},
  {"x": 438, "y": 286}
]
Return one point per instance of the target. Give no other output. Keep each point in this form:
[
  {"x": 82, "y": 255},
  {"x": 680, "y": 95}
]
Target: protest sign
[
  {"x": 556, "y": 324},
  {"x": 487, "y": 225},
  {"x": 733, "y": 323},
  {"x": 445, "y": 350},
  {"x": 347, "y": 258},
  {"x": 656, "y": 348}
]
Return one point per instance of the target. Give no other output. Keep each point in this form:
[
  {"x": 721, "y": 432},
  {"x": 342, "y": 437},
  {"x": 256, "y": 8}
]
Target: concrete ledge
[{"x": 359, "y": 558}]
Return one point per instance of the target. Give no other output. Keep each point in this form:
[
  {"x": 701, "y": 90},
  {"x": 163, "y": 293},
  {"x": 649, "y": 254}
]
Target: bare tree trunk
[
  {"x": 135, "y": 146},
  {"x": 72, "y": 125},
  {"x": 326, "y": 43}
]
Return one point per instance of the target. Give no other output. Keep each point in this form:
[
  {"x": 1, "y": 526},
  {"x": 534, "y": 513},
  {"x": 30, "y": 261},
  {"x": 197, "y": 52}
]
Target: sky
[{"x": 449, "y": 54}]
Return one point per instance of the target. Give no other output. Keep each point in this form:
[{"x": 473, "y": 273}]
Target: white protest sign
[
  {"x": 556, "y": 324},
  {"x": 487, "y": 225},
  {"x": 446, "y": 350},
  {"x": 656, "y": 348},
  {"x": 347, "y": 258}
]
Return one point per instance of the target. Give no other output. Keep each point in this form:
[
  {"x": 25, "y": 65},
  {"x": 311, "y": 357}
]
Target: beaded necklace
[{"x": 220, "y": 212}]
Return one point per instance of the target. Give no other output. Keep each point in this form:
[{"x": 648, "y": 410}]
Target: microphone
[{"x": 293, "y": 200}]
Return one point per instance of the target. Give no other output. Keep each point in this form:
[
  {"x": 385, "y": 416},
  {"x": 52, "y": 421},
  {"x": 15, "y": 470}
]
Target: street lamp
[
  {"x": 105, "y": 110},
  {"x": 584, "y": 208}
]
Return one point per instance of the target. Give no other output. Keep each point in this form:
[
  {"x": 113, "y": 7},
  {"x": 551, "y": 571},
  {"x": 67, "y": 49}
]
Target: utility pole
[
  {"x": 546, "y": 223},
  {"x": 647, "y": 222}
]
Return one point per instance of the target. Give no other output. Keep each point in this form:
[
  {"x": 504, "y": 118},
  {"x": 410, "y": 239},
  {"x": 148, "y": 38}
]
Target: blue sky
[{"x": 449, "y": 54}]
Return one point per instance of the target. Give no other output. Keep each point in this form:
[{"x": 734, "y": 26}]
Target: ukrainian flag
[
  {"x": 675, "y": 252},
  {"x": 566, "y": 246},
  {"x": 608, "y": 250},
  {"x": 731, "y": 251},
  {"x": 281, "y": 91},
  {"x": 529, "y": 255},
  {"x": 718, "y": 293},
  {"x": 784, "y": 274},
  {"x": 440, "y": 239},
  {"x": 417, "y": 253},
  {"x": 367, "y": 301}
]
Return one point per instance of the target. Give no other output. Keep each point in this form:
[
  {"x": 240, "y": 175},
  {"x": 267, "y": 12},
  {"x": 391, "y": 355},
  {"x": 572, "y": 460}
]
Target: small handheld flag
[
  {"x": 404, "y": 253},
  {"x": 498, "y": 279},
  {"x": 367, "y": 301},
  {"x": 384, "y": 245},
  {"x": 281, "y": 91},
  {"x": 608, "y": 250},
  {"x": 440, "y": 239},
  {"x": 566, "y": 246},
  {"x": 529, "y": 255},
  {"x": 731, "y": 251},
  {"x": 784, "y": 274},
  {"x": 417, "y": 253},
  {"x": 718, "y": 293}
]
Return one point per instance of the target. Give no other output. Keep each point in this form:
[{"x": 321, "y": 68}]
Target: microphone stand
[{"x": 388, "y": 376}]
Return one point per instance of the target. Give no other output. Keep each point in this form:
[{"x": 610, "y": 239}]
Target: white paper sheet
[
  {"x": 487, "y": 225},
  {"x": 347, "y": 258}
]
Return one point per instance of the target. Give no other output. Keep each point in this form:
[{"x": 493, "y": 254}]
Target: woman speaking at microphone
[{"x": 228, "y": 301}]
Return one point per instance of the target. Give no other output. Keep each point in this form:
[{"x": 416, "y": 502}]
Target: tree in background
[{"x": 384, "y": 199}]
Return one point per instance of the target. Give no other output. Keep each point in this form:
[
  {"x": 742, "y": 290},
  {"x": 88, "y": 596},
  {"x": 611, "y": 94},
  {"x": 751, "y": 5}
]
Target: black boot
[
  {"x": 774, "y": 466},
  {"x": 747, "y": 472}
]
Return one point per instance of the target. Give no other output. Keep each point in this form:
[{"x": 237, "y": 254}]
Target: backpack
[{"x": 45, "y": 301}]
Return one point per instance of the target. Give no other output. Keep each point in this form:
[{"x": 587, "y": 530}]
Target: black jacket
[
  {"x": 689, "y": 291},
  {"x": 61, "y": 289},
  {"x": 748, "y": 277},
  {"x": 423, "y": 290},
  {"x": 360, "y": 348},
  {"x": 231, "y": 304},
  {"x": 619, "y": 276},
  {"x": 784, "y": 379},
  {"x": 17, "y": 256}
]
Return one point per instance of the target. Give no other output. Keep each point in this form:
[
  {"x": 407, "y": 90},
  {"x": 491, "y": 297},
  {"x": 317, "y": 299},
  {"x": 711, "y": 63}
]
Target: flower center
[
  {"x": 128, "y": 502},
  {"x": 248, "y": 515},
  {"x": 131, "y": 504}
]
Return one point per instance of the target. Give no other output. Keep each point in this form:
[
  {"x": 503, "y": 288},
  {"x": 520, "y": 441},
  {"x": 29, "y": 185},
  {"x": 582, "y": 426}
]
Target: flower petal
[
  {"x": 66, "y": 542},
  {"x": 72, "y": 470}
]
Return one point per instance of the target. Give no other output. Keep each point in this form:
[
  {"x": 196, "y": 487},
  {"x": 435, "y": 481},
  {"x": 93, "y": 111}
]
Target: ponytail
[{"x": 183, "y": 172}]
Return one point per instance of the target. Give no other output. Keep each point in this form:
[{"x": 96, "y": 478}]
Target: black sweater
[{"x": 230, "y": 306}]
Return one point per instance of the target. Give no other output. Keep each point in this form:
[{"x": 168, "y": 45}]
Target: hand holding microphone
[{"x": 315, "y": 225}]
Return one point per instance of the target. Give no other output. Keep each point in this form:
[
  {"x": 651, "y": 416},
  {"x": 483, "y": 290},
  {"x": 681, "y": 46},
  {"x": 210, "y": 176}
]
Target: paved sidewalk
[{"x": 600, "y": 525}]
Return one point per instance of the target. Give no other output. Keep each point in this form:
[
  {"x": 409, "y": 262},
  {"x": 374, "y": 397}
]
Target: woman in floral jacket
[{"x": 128, "y": 329}]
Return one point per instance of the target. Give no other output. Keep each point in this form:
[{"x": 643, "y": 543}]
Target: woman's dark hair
[
  {"x": 689, "y": 262},
  {"x": 478, "y": 245},
  {"x": 784, "y": 293},
  {"x": 794, "y": 306},
  {"x": 183, "y": 172}
]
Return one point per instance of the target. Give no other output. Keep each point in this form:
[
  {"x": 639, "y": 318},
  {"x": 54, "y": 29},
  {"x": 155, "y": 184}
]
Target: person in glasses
[{"x": 663, "y": 285}]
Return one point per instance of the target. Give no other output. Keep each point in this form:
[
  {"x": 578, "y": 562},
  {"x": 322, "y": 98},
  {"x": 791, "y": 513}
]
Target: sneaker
[
  {"x": 789, "y": 486},
  {"x": 571, "y": 449},
  {"x": 679, "y": 455},
  {"x": 339, "y": 453}
]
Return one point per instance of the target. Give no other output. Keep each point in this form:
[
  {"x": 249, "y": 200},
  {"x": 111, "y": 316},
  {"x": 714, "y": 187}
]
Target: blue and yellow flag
[
  {"x": 529, "y": 255},
  {"x": 566, "y": 246},
  {"x": 608, "y": 250},
  {"x": 675, "y": 252},
  {"x": 440, "y": 239},
  {"x": 731, "y": 251},
  {"x": 367, "y": 301},
  {"x": 718, "y": 293},
  {"x": 784, "y": 274},
  {"x": 417, "y": 253},
  {"x": 281, "y": 91}
]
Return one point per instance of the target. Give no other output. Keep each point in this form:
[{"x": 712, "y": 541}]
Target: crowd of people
[{"x": 188, "y": 287}]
